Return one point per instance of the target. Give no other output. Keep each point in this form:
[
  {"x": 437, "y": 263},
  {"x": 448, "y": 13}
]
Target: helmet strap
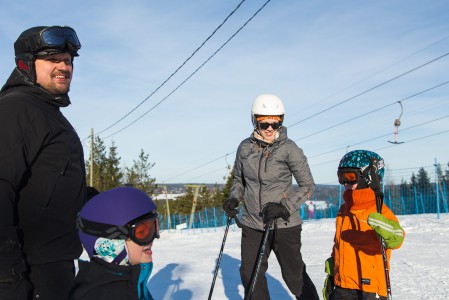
[{"x": 374, "y": 183}]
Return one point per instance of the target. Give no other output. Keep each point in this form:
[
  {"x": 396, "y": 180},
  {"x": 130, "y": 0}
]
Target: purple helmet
[{"x": 108, "y": 213}]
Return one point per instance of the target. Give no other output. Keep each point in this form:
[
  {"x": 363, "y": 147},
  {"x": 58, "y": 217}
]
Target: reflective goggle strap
[
  {"x": 103, "y": 230},
  {"x": 365, "y": 172},
  {"x": 374, "y": 184}
]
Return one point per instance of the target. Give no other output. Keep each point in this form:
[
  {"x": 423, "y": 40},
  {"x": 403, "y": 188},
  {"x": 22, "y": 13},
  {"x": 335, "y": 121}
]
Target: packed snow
[{"x": 184, "y": 261}]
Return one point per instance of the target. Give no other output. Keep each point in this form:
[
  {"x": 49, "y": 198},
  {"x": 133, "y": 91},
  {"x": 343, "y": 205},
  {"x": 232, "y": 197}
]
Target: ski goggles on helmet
[
  {"x": 49, "y": 40},
  {"x": 142, "y": 231},
  {"x": 265, "y": 126},
  {"x": 349, "y": 175}
]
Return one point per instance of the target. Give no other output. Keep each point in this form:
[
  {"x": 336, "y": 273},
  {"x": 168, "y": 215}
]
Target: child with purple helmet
[{"x": 117, "y": 229}]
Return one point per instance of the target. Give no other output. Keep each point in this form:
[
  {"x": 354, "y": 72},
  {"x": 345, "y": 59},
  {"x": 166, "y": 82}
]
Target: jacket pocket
[{"x": 52, "y": 183}]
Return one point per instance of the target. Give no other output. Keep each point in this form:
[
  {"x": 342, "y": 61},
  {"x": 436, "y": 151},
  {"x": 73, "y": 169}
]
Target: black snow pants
[
  {"x": 286, "y": 244},
  {"x": 348, "y": 294}
]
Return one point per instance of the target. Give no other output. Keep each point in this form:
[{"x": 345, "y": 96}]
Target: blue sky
[{"x": 330, "y": 62}]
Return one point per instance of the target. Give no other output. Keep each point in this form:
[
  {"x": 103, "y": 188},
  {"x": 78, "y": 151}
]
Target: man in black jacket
[{"x": 42, "y": 174}]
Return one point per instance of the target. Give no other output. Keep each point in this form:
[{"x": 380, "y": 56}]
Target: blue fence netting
[{"x": 429, "y": 197}]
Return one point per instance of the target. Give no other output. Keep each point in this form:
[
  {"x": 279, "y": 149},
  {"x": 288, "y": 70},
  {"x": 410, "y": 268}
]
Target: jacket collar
[
  {"x": 359, "y": 199},
  {"x": 281, "y": 136}
]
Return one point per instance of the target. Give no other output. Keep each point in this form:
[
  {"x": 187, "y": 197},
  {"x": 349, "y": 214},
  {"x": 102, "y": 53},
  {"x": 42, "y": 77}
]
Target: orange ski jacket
[{"x": 358, "y": 262}]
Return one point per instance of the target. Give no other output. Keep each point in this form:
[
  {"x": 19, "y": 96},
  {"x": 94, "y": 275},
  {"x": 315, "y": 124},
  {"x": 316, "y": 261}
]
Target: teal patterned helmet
[{"x": 360, "y": 159}]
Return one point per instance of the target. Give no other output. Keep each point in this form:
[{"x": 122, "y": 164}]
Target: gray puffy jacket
[{"x": 263, "y": 173}]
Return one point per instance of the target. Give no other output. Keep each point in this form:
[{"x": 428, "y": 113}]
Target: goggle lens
[
  {"x": 59, "y": 36},
  {"x": 348, "y": 176},
  {"x": 265, "y": 126},
  {"x": 145, "y": 231}
]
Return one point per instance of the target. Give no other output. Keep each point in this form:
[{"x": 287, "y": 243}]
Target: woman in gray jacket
[{"x": 263, "y": 170}]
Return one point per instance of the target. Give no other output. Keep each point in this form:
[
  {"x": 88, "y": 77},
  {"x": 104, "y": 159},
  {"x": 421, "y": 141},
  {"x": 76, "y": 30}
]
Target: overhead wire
[
  {"x": 377, "y": 72},
  {"x": 196, "y": 168},
  {"x": 176, "y": 71},
  {"x": 325, "y": 110},
  {"x": 370, "y": 89},
  {"x": 193, "y": 73},
  {"x": 208, "y": 173},
  {"x": 344, "y": 101},
  {"x": 341, "y": 148},
  {"x": 381, "y": 136},
  {"x": 416, "y": 139},
  {"x": 394, "y": 145},
  {"x": 372, "y": 111},
  {"x": 331, "y": 127}
]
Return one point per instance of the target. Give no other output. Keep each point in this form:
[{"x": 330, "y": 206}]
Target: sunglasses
[
  {"x": 142, "y": 231},
  {"x": 348, "y": 175},
  {"x": 265, "y": 126}
]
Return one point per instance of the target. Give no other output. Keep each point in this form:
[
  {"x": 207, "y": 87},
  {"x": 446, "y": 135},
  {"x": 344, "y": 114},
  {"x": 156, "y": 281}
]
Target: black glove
[
  {"x": 230, "y": 206},
  {"x": 91, "y": 192},
  {"x": 273, "y": 211}
]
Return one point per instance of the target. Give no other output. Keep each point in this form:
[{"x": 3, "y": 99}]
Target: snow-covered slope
[{"x": 184, "y": 261}]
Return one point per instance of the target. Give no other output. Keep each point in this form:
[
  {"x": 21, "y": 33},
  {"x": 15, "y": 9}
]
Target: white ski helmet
[{"x": 267, "y": 105}]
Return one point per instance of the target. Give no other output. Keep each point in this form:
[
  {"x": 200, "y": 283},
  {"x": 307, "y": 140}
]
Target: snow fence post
[{"x": 437, "y": 188}]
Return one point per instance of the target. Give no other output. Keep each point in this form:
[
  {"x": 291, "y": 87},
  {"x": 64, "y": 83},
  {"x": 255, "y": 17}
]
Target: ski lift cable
[
  {"x": 377, "y": 72},
  {"x": 202, "y": 175},
  {"x": 410, "y": 141},
  {"x": 203, "y": 165},
  {"x": 381, "y": 136},
  {"x": 375, "y": 110},
  {"x": 431, "y": 61},
  {"x": 362, "y": 142},
  {"x": 370, "y": 89},
  {"x": 176, "y": 71},
  {"x": 411, "y": 96},
  {"x": 417, "y": 139},
  {"x": 182, "y": 83}
]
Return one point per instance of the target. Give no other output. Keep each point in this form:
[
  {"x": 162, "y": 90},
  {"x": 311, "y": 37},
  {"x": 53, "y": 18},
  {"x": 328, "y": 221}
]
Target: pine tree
[
  {"x": 226, "y": 191},
  {"x": 99, "y": 164},
  {"x": 216, "y": 197},
  {"x": 183, "y": 204},
  {"x": 138, "y": 175},
  {"x": 413, "y": 181},
  {"x": 423, "y": 180},
  {"x": 113, "y": 174},
  {"x": 204, "y": 199}
]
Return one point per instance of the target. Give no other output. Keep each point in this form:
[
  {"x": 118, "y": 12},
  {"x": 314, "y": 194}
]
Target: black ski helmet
[
  {"x": 108, "y": 214},
  {"x": 43, "y": 40}
]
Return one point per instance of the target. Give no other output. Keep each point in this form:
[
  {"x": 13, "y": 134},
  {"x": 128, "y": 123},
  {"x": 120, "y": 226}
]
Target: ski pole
[
  {"x": 253, "y": 281},
  {"x": 228, "y": 222},
  {"x": 379, "y": 203}
]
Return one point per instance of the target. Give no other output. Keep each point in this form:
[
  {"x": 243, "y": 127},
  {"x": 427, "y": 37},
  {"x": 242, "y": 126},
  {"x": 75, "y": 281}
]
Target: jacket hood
[{"x": 16, "y": 80}]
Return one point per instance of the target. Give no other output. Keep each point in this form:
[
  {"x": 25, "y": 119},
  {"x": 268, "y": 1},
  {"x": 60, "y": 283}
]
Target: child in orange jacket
[{"x": 356, "y": 268}]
